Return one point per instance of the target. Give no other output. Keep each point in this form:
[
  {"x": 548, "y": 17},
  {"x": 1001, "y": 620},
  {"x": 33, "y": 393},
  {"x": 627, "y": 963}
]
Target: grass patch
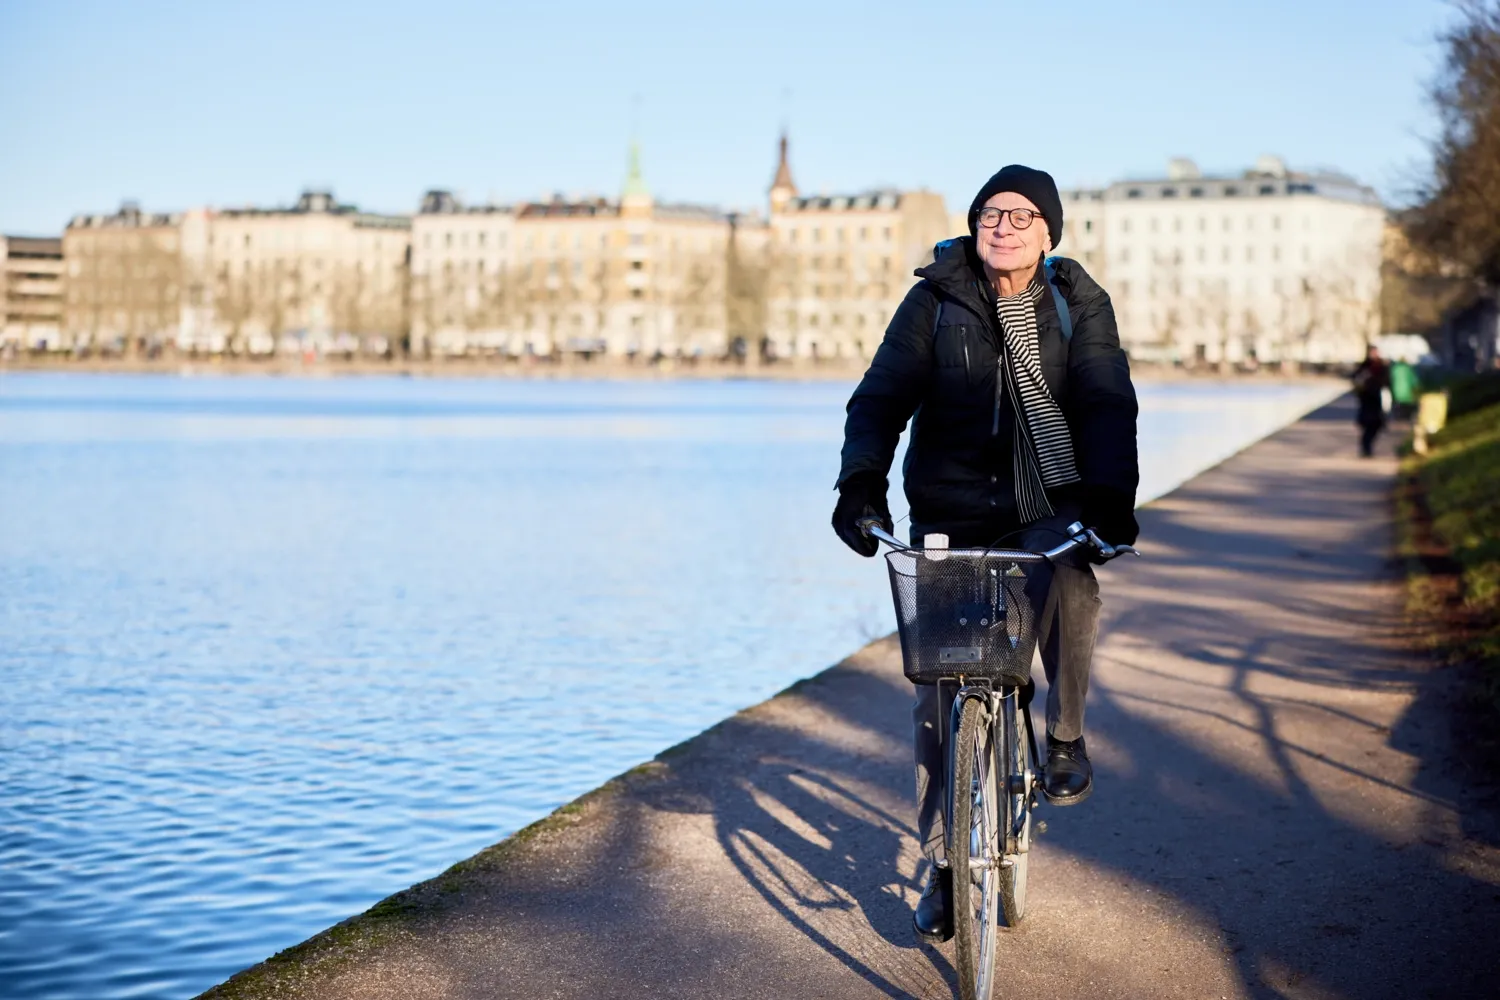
[{"x": 1449, "y": 510}]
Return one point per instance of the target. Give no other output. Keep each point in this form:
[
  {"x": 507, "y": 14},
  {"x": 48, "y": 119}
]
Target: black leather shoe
[
  {"x": 1069, "y": 778},
  {"x": 934, "y": 916}
]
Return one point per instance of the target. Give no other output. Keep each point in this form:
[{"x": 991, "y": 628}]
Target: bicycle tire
[
  {"x": 972, "y": 853},
  {"x": 1017, "y": 766}
]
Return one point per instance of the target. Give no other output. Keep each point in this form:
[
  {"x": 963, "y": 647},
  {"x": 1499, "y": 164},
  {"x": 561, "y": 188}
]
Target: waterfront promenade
[{"x": 1278, "y": 811}]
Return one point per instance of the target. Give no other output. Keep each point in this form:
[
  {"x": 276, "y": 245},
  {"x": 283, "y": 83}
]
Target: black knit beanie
[{"x": 1037, "y": 186}]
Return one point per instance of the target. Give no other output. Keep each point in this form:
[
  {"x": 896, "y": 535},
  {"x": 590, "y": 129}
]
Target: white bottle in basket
[{"x": 935, "y": 546}]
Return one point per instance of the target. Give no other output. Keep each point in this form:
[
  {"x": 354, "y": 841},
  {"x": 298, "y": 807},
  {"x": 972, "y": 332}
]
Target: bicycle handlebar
[{"x": 1078, "y": 536}]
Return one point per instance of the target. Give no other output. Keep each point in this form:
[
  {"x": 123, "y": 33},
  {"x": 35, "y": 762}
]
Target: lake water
[{"x": 272, "y": 649}]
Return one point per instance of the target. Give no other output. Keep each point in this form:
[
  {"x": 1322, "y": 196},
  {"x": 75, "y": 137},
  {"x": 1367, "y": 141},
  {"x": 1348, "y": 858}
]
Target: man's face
[{"x": 1006, "y": 248}]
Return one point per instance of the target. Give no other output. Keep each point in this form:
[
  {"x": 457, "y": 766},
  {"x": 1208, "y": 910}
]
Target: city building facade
[
  {"x": 1268, "y": 266},
  {"x": 1272, "y": 265},
  {"x": 122, "y": 281},
  {"x": 318, "y": 277},
  {"x": 839, "y": 265},
  {"x": 31, "y": 292},
  {"x": 632, "y": 276}
]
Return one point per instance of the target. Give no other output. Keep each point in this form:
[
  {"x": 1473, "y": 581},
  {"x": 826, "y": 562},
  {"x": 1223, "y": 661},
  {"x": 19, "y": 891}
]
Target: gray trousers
[{"x": 1067, "y": 630}]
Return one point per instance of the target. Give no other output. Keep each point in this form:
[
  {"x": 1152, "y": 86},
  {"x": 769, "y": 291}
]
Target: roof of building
[
  {"x": 560, "y": 207},
  {"x": 33, "y": 246},
  {"x": 314, "y": 202},
  {"x": 441, "y": 202},
  {"x": 879, "y": 199},
  {"x": 1269, "y": 177},
  {"x": 129, "y": 216}
]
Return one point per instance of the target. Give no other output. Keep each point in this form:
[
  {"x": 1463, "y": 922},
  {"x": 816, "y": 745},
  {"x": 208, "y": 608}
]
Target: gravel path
[{"x": 1277, "y": 813}]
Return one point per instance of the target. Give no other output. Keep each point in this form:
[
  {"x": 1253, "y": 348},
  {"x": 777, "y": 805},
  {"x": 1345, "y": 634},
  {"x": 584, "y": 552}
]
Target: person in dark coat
[
  {"x": 1016, "y": 431},
  {"x": 1372, "y": 376}
]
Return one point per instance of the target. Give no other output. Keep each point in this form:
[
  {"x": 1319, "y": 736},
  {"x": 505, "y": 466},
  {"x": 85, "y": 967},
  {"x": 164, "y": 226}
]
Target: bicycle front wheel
[
  {"x": 973, "y": 853},
  {"x": 1020, "y": 778}
]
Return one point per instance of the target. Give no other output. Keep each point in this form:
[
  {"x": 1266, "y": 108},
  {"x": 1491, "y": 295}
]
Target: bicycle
[{"x": 969, "y": 616}]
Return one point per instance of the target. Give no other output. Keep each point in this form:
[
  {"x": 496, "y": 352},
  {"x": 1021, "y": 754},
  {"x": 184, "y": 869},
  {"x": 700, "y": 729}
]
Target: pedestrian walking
[
  {"x": 1371, "y": 378},
  {"x": 1406, "y": 385}
]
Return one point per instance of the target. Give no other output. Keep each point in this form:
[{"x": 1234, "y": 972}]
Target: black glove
[
  {"x": 861, "y": 495},
  {"x": 1111, "y": 513}
]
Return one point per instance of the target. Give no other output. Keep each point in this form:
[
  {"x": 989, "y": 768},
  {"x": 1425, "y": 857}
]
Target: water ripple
[{"x": 275, "y": 649}]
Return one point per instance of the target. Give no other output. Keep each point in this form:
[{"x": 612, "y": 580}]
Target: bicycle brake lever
[
  {"x": 1122, "y": 549},
  {"x": 1104, "y": 549}
]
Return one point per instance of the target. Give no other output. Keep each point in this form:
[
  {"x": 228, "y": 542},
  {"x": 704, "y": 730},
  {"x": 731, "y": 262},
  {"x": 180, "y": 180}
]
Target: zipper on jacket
[
  {"x": 963, "y": 338},
  {"x": 999, "y": 385}
]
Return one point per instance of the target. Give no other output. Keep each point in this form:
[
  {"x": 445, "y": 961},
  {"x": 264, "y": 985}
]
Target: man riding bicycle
[{"x": 1023, "y": 419}]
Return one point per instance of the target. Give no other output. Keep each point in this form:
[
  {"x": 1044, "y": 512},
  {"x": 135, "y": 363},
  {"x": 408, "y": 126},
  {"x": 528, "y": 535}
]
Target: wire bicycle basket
[{"x": 970, "y": 615}]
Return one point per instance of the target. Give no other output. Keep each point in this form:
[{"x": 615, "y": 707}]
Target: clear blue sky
[{"x": 217, "y": 103}]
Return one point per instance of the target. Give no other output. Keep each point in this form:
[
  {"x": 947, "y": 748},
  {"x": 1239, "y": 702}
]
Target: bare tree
[{"x": 1457, "y": 218}]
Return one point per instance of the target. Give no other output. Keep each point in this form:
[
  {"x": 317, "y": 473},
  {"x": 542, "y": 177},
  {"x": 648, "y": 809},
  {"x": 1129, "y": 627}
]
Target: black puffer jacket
[{"x": 940, "y": 364}]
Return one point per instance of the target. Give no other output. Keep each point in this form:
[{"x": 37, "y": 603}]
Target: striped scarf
[{"x": 1043, "y": 448}]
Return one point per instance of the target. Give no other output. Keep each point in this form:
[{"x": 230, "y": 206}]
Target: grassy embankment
[{"x": 1450, "y": 522}]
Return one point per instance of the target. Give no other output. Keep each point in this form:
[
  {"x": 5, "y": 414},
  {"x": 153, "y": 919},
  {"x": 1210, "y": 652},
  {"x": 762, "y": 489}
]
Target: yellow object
[
  {"x": 1432, "y": 414},
  {"x": 1432, "y": 411}
]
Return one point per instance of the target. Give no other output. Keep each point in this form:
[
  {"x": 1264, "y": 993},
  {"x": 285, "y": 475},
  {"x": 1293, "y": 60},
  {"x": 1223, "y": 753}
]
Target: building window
[
  {"x": 791, "y": 236},
  {"x": 1276, "y": 222},
  {"x": 1125, "y": 226},
  {"x": 449, "y": 240},
  {"x": 637, "y": 265},
  {"x": 1195, "y": 192},
  {"x": 1276, "y": 253},
  {"x": 1226, "y": 224},
  {"x": 1153, "y": 224},
  {"x": 888, "y": 232},
  {"x": 1169, "y": 192},
  {"x": 864, "y": 233},
  {"x": 817, "y": 235},
  {"x": 1230, "y": 191},
  {"x": 1176, "y": 225},
  {"x": 1202, "y": 255},
  {"x": 1226, "y": 255},
  {"x": 481, "y": 239},
  {"x": 1133, "y": 193},
  {"x": 1267, "y": 189},
  {"x": 1088, "y": 225},
  {"x": 1125, "y": 255},
  {"x": 1249, "y": 254}
]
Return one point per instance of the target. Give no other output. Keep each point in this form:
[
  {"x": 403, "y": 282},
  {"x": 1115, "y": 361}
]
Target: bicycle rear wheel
[
  {"x": 1020, "y": 774},
  {"x": 973, "y": 854}
]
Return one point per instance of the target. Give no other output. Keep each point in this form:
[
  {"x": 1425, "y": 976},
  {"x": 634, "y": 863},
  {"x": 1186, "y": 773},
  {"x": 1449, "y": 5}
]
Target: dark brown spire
[{"x": 783, "y": 181}]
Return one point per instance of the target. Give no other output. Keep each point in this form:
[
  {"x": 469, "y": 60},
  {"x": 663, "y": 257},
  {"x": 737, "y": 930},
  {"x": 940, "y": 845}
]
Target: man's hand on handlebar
[
  {"x": 1100, "y": 551},
  {"x": 862, "y": 495}
]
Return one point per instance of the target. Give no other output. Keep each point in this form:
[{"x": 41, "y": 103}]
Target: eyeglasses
[{"x": 1020, "y": 218}]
